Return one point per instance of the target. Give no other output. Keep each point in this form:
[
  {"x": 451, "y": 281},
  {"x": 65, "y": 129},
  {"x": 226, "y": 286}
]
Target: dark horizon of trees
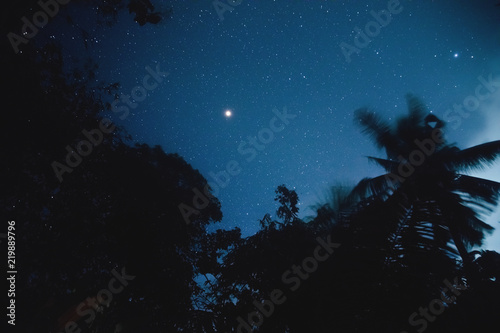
[{"x": 399, "y": 240}]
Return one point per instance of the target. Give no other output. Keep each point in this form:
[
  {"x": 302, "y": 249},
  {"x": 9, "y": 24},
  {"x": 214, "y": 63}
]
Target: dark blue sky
[{"x": 269, "y": 55}]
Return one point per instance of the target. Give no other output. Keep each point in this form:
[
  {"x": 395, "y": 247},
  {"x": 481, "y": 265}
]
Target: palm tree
[{"x": 437, "y": 203}]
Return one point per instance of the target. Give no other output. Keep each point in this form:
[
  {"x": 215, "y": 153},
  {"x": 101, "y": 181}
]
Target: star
[
  {"x": 228, "y": 113},
  {"x": 455, "y": 55}
]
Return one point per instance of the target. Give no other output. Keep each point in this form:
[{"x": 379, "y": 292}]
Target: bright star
[
  {"x": 228, "y": 113},
  {"x": 456, "y": 55}
]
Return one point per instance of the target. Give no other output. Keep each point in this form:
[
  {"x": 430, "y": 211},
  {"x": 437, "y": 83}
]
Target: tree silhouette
[
  {"x": 144, "y": 12},
  {"x": 439, "y": 203},
  {"x": 288, "y": 200},
  {"x": 117, "y": 209},
  {"x": 399, "y": 232}
]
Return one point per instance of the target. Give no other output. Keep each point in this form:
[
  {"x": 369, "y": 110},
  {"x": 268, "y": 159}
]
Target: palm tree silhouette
[{"x": 436, "y": 203}]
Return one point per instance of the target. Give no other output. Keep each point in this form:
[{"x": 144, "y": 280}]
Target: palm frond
[
  {"x": 420, "y": 232},
  {"x": 414, "y": 125},
  {"x": 416, "y": 109},
  {"x": 388, "y": 165},
  {"x": 474, "y": 158},
  {"x": 464, "y": 221},
  {"x": 375, "y": 127},
  {"x": 478, "y": 188},
  {"x": 335, "y": 205},
  {"x": 370, "y": 187}
]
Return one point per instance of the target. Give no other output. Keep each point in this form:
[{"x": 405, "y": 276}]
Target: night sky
[{"x": 276, "y": 55}]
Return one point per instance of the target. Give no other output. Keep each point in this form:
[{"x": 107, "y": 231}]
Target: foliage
[{"x": 398, "y": 240}]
